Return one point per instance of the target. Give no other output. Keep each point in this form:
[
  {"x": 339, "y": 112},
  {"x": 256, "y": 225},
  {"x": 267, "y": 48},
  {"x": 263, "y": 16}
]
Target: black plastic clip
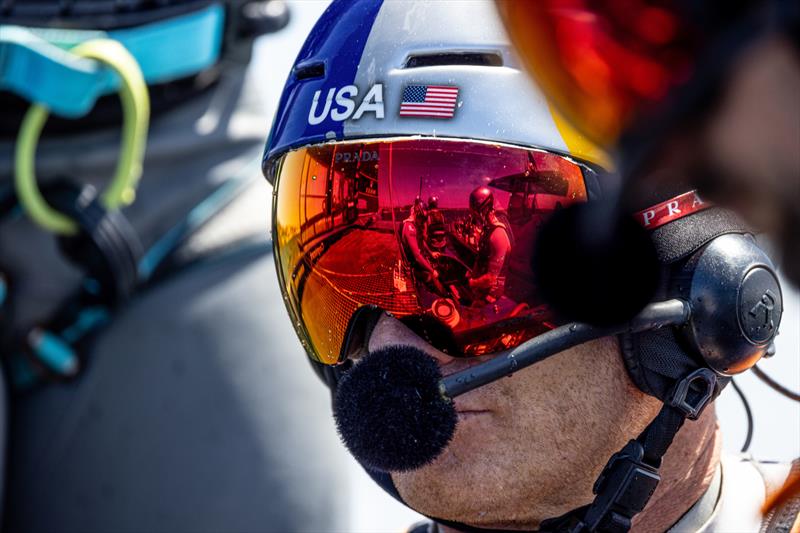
[
  {"x": 623, "y": 489},
  {"x": 694, "y": 392}
]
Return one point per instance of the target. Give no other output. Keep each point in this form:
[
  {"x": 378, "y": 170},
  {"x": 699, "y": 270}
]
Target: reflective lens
[
  {"x": 437, "y": 232},
  {"x": 602, "y": 61}
]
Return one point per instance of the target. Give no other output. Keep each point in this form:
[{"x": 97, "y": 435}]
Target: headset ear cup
[
  {"x": 657, "y": 359},
  {"x": 629, "y": 346},
  {"x": 736, "y": 303}
]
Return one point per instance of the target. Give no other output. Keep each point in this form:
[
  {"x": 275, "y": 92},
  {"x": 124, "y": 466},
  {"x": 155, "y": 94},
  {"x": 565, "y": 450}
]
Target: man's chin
[
  {"x": 438, "y": 491},
  {"x": 464, "y": 484}
]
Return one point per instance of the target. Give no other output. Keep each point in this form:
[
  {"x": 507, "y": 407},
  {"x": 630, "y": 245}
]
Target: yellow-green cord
[{"x": 136, "y": 115}]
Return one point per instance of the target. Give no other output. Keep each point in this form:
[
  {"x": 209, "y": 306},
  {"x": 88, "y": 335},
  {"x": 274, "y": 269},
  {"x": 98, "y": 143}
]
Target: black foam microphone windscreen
[{"x": 389, "y": 410}]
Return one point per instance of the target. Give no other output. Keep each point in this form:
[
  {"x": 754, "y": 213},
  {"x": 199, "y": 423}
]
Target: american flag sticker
[{"x": 434, "y": 101}]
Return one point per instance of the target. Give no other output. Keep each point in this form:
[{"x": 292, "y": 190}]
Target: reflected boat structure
[{"x": 457, "y": 274}]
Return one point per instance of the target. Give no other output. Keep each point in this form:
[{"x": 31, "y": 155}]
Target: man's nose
[{"x": 391, "y": 332}]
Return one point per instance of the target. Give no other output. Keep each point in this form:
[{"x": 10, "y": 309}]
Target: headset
[{"x": 717, "y": 311}]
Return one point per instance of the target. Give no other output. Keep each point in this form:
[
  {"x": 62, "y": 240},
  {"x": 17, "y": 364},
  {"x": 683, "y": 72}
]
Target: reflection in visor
[{"x": 439, "y": 233}]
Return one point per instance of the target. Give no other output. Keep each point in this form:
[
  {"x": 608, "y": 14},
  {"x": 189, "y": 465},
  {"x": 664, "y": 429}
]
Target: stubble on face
[{"x": 529, "y": 446}]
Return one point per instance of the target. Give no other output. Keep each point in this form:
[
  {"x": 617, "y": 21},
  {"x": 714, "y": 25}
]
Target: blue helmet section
[{"x": 337, "y": 43}]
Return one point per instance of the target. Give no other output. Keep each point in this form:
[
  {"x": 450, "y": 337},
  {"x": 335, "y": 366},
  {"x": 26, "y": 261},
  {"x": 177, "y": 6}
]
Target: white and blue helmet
[{"x": 349, "y": 79}]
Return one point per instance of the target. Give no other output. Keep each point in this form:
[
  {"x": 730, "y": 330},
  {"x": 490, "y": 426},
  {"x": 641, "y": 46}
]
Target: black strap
[
  {"x": 106, "y": 247},
  {"x": 631, "y": 476},
  {"x": 107, "y": 250}
]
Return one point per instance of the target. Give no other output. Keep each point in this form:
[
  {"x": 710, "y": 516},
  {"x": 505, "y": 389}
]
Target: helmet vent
[
  {"x": 307, "y": 71},
  {"x": 480, "y": 59}
]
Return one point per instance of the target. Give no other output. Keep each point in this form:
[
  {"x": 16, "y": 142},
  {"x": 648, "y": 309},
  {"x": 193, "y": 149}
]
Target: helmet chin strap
[{"x": 631, "y": 476}]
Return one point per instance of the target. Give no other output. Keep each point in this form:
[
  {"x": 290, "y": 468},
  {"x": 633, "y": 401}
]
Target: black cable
[
  {"x": 749, "y": 414},
  {"x": 777, "y": 387}
]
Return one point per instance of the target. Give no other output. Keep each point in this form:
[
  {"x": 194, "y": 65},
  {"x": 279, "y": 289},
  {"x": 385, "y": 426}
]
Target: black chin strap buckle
[
  {"x": 630, "y": 477},
  {"x": 694, "y": 392},
  {"x": 623, "y": 489}
]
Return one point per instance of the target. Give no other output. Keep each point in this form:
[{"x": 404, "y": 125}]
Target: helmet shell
[
  {"x": 481, "y": 200},
  {"x": 371, "y": 50},
  {"x": 418, "y": 209}
]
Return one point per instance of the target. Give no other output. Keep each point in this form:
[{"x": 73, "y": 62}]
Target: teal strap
[
  {"x": 56, "y": 354},
  {"x": 3, "y": 290},
  {"x": 35, "y": 62}
]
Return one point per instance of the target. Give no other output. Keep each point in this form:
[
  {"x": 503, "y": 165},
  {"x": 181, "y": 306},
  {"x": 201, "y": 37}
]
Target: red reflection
[{"x": 437, "y": 232}]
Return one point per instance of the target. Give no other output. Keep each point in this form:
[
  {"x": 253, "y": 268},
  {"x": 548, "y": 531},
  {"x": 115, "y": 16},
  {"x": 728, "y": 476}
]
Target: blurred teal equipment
[
  {"x": 37, "y": 63},
  {"x": 62, "y": 58}
]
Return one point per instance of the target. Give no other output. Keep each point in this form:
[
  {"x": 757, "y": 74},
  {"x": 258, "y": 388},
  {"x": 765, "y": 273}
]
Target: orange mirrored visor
[
  {"x": 602, "y": 62},
  {"x": 437, "y": 232}
]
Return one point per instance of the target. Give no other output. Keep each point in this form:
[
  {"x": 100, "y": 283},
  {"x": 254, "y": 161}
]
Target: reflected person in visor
[
  {"x": 517, "y": 453},
  {"x": 415, "y": 247},
  {"x": 494, "y": 247}
]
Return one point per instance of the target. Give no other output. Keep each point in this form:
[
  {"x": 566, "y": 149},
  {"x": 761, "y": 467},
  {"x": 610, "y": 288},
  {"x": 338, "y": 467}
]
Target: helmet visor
[{"x": 437, "y": 232}]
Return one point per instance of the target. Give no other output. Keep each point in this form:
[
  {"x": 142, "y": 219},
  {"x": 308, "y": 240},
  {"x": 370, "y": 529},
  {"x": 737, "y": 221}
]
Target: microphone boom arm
[{"x": 657, "y": 315}]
